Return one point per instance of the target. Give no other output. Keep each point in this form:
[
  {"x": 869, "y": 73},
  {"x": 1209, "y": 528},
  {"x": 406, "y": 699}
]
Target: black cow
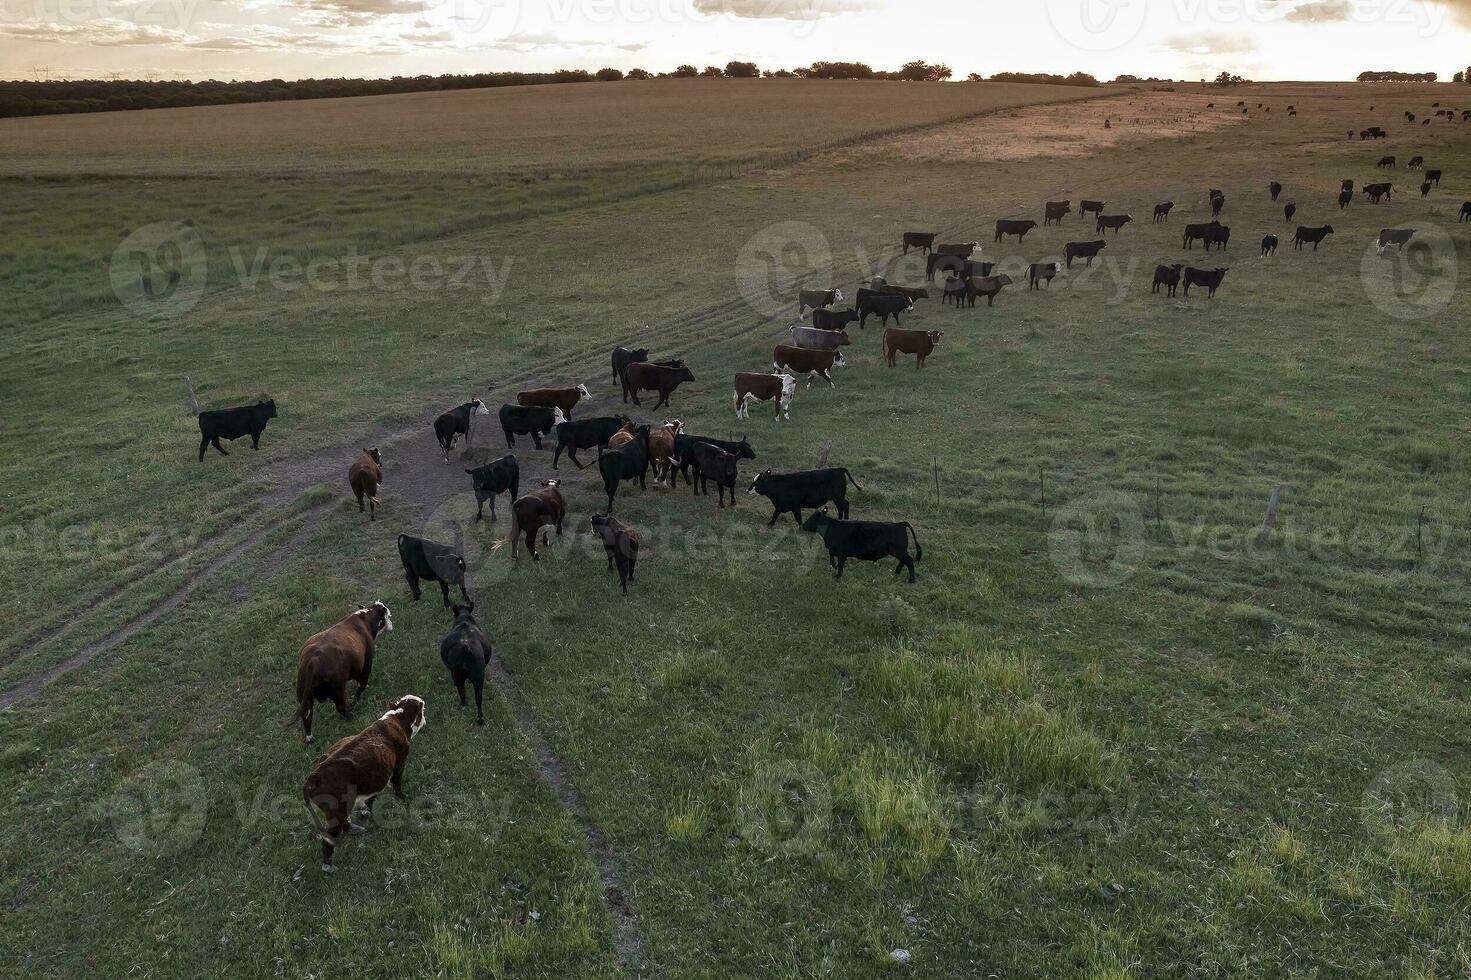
[
  {"x": 833, "y": 319},
  {"x": 1289, "y": 211},
  {"x": 629, "y": 461},
  {"x": 1082, "y": 250},
  {"x": 864, "y": 541},
  {"x": 1269, "y": 246},
  {"x": 430, "y": 561},
  {"x": 1218, "y": 201},
  {"x": 713, "y": 463},
  {"x": 1112, "y": 221},
  {"x": 1377, "y": 191},
  {"x": 676, "y": 363},
  {"x": 919, "y": 239},
  {"x": 883, "y": 306},
  {"x": 1005, "y": 227},
  {"x": 620, "y": 543},
  {"x": 1162, "y": 212},
  {"x": 938, "y": 262},
  {"x": 1210, "y": 279},
  {"x": 1167, "y": 276},
  {"x": 1042, "y": 272},
  {"x": 465, "y": 651},
  {"x": 1275, "y": 189},
  {"x": 455, "y": 423},
  {"x": 527, "y": 420},
  {"x": 585, "y": 434},
  {"x": 1465, "y": 214},
  {"x": 624, "y": 356},
  {"x": 1425, "y": 189},
  {"x": 1197, "y": 231},
  {"x": 1054, "y": 211},
  {"x": 1346, "y": 185},
  {"x": 1218, "y": 235},
  {"x": 1433, "y": 176},
  {"x": 790, "y": 493},
  {"x": 234, "y": 423},
  {"x": 955, "y": 291},
  {"x": 663, "y": 378},
  {"x": 1314, "y": 235},
  {"x": 1091, "y": 207},
  {"x": 1395, "y": 236},
  {"x": 684, "y": 451},
  {"x": 500, "y": 476},
  {"x": 1416, "y": 163},
  {"x": 1345, "y": 197},
  {"x": 1386, "y": 163}
]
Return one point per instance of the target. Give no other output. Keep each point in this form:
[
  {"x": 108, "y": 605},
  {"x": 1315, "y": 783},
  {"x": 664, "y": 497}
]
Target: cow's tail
[
  {"x": 193, "y": 401},
  {"x": 314, "y": 814},
  {"x": 851, "y": 480},
  {"x": 918, "y": 551}
]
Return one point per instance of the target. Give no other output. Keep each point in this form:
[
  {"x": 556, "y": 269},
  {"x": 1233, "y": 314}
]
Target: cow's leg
[
  {"x": 531, "y": 544},
  {"x": 339, "y": 698},
  {"x": 479, "y": 697},
  {"x": 444, "y": 588},
  {"x": 480, "y": 505},
  {"x": 843, "y": 506},
  {"x": 572, "y": 455},
  {"x": 839, "y": 572},
  {"x": 372, "y": 508},
  {"x": 255, "y": 440},
  {"x": 774, "y": 515},
  {"x": 458, "y": 676},
  {"x": 215, "y": 441},
  {"x": 203, "y": 445},
  {"x": 557, "y": 456},
  {"x": 413, "y": 584},
  {"x": 536, "y": 439},
  {"x": 306, "y": 717},
  {"x": 359, "y": 495}
]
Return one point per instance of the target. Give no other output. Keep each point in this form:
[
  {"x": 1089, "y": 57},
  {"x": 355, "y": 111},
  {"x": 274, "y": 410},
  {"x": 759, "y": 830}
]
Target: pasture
[{"x": 1111, "y": 731}]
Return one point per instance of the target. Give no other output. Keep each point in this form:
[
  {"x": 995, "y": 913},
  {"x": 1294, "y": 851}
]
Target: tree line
[
  {"x": 41, "y": 98},
  {"x": 1398, "y": 76}
]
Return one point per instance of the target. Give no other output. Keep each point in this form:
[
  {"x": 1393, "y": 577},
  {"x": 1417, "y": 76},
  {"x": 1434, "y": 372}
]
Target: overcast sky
[{"x": 1263, "y": 39}]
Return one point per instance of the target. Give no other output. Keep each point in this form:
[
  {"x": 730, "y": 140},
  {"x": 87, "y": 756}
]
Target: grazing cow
[
  {"x": 988, "y": 286},
  {"x": 340, "y": 653},
  {"x": 817, "y": 299},
  {"x": 1054, "y": 211},
  {"x": 1082, "y": 250},
  {"x": 661, "y": 450},
  {"x": 1289, "y": 211},
  {"x": 1113, "y": 222},
  {"x": 493, "y": 479},
  {"x": 864, "y": 541},
  {"x": 955, "y": 290},
  {"x": 624, "y": 356},
  {"x": 1377, "y": 191},
  {"x": 1425, "y": 189},
  {"x": 791, "y": 493},
  {"x": 1209, "y": 278},
  {"x": 465, "y": 651},
  {"x": 1416, "y": 163},
  {"x": 1344, "y": 199},
  {"x": 673, "y": 364},
  {"x": 939, "y": 262},
  {"x": 540, "y": 509},
  {"x": 356, "y": 769},
  {"x": 1039, "y": 272},
  {"x": 1386, "y": 163},
  {"x": 919, "y": 239},
  {"x": 1094, "y": 208},
  {"x": 629, "y": 461},
  {"x": 365, "y": 476},
  {"x": 833, "y": 319},
  {"x": 814, "y": 339},
  {"x": 455, "y": 423},
  {"x": 1433, "y": 176},
  {"x": 712, "y": 462},
  {"x": 655, "y": 377},
  {"x": 621, "y": 543},
  {"x": 1167, "y": 276},
  {"x": 1197, "y": 231},
  {"x": 585, "y": 434},
  {"x": 920, "y": 343},
  {"x": 963, "y": 249},
  {"x": 684, "y": 448},
  {"x": 1314, "y": 235},
  {"x": 1217, "y": 234},
  {"x": 915, "y": 293},
  {"x": 232, "y": 424},
  {"x": 883, "y": 306},
  {"x": 520, "y": 420},
  {"x": 1465, "y": 214},
  {"x": 1162, "y": 212},
  {"x": 1395, "y": 236},
  {"x": 777, "y": 388},
  {"x": 1275, "y": 189},
  {"x": 813, "y": 363},
  {"x": 1409, "y": 116},
  {"x": 564, "y": 398},
  {"x": 1269, "y": 245},
  {"x": 1017, "y": 228},
  {"x": 430, "y": 561}
]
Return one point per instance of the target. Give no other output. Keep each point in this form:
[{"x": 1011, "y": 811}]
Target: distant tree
[
  {"x": 783, "y": 73},
  {"x": 686, "y": 71},
  {"x": 609, "y": 75},
  {"x": 973, "y": 77},
  {"x": 921, "y": 71},
  {"x": 1227, "y": 80},
  {"x": 742, "y": 69},
  {"x": 1458, "y": 77},
  {"x": 712, "y": 72},
  {"x": 638, "y": 74},
  {"x": 1398, "y": 76}
]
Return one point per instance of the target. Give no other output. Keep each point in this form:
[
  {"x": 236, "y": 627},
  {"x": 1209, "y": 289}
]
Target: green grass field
[{"x": 745, "y": 768}]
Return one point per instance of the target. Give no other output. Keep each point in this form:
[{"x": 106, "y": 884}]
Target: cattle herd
[{"x": 355, "y": 770}]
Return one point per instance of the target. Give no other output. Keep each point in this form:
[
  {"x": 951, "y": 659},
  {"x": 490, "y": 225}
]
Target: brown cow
[
  {"x": 534, "y": 512},
  {"x": 802, "y": 360},
  {"x": 564, "y": 398},
  {"x": 913, "y": 292},
  {"x": 623, "y": 436},
  {"x": 987, "y": 286},
  {"x": 365, "y": 477},
  {"x": 917, "y": 342},
  {"x": 764, "y": 388},
  {"x": 661, "y": 450},
  {"x": 356, "y": 769},
  {"x": 653, "y": 377},
  {"x": 340, "y": 653}
]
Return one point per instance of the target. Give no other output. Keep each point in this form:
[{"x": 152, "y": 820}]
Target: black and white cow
[{"x": 455, "y": 423}]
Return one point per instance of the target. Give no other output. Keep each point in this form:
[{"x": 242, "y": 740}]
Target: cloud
[
  {"x": 102, "y": 33},
  {"x": 356, "y": 13},
  {"x": 784, "y": 9},
  {"x": 1211, "y": 44},
  {"x": 1320, "y": 11}
]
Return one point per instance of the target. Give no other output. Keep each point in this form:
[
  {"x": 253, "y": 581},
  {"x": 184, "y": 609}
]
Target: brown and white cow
[
  {"x": 534, "y": 512},
  {"x": 365, "y": 476},
  {"x": 356, "y": 769},
  {"x": 623, "y": 436},
  {"x": 661, "y": 450},
  {"x": 564, "y": 398},
  {"x": 764, "y": 388},
  {"x": 813, "y": 363},
  {"x": 920, "y": 343},
  {"x": 818, "y": 299},
  {"x": 340, "y": 653}
]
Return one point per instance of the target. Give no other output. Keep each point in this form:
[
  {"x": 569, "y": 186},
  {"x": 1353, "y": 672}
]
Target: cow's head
[
  {"x": 374, "y": 455},
  {"x": 675, "y": 426},
  {"x": 582, "y": 392},
  {"x": 788, "y": 388},
  {"x": 557, "y": 417},
  {"x": 642, "y": 354},
  {"x": 816, "y": 520},
  {"x": 270, "y": 407},
  {"x": 685, "y": 374},
  {"x": 411, "y": 710},
  {"x": 1328, "y": 229},
  {"x": 934, "y": 336},
  {"x": 1003, "y": 280},
  {"x": 838, "y": 360},
  {"x": 759, "y": 482},
  {"x": 837, "y": 295},
  {"x": 479, "y": 407},
  {"x": 744, "y": 450},
  {"x": 599, "y": 522},
  {"x": 550, "y": 484},
  {"x": 463, "y": 611},
  {"x": 378, "y": 618}
]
